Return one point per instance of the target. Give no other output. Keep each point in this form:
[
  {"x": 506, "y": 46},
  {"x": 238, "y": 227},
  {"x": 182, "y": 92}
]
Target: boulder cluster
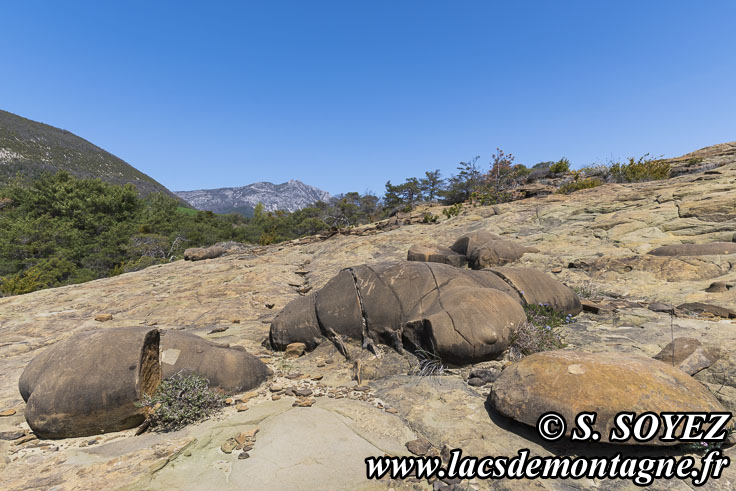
[{"x": 463, "y": 316}]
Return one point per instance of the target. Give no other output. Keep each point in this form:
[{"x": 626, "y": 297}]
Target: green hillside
[{"x": 29, "y": 148}]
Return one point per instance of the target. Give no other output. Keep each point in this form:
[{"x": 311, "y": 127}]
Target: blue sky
[{"x": 346, "y": 95}]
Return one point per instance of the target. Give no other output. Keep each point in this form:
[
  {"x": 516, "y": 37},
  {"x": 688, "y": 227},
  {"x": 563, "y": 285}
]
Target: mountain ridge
[
  {"x": 290, "y": 196},
  {"x": 29, "y": 148}
]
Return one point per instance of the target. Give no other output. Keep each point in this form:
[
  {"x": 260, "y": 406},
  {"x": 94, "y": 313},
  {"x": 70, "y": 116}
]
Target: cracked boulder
[
  {"x": 462, "y": 316},
  {"x": 91, "y": 383},
  {"x": 711, "y": 249},
  {"x": 570, "y": 382},
  {"x": 231, "y": 369}
]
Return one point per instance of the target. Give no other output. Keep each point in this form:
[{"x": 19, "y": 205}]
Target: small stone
[
  {"x": 229, "y": 445},
  {"x": 318, "y": 378},
  {"x": 303, "y": 392},
  {"x": 293, "y": 376},
  {"x": 557, "y": 270},
  {"x": 241, "y": 407},
  {"x": 8, "y": 412},
  {"x": 295, "y": 350},
  {"x": 392, "y": 410},
  {"x": 103, "y": 317},
  {"x": 320, "y": 364},
  {"x": 265, "y": 360},
  {"x": 275, "y": 388},
  {"x": 329, "y": 361},
  {"x": 243, "y": 456},
  {"x": 476, "y": 382},
  {"x": 229, "y": 401},
  {"x": 306, "y": 402},
  {"x": 487, "y": 375},
  {"x": 236, "y": 321},
  {"x": 420, "y": 446},
  {"x": 361, "y": 388},
  {"x": 275, "y": 397}
]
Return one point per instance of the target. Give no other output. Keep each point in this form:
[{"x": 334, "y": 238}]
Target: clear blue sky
[{"x": 345, "y": 95}]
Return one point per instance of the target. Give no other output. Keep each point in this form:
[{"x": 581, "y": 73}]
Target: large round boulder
[
  {"x": 91, "y": 383},
  {"x": 230, "y": 369},
  {"x": 570, "y": 382}
]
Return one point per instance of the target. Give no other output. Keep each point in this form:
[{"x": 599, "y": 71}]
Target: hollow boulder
[
  {"x": 91, "y": 383},
  {"x": 570, "y": 382}
]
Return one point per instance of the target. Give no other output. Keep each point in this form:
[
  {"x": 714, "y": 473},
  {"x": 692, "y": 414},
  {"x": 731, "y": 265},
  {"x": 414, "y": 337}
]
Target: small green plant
[
  {"x": 642, "y": 169},
  {"x": 560, "y": 167},
  {"x": 578, "y": 184},
  {"x": 539, "y": 333},
  {"x": 453, "y": 210},
  {"x": 181, "y": 400},
  {"x": 429, "y": 218}
]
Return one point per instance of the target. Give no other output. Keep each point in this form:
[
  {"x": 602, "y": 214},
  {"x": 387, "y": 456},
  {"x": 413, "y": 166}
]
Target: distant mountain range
[
  {"x": 29, "y": 148},
  {"x": 288, "y": 196}
]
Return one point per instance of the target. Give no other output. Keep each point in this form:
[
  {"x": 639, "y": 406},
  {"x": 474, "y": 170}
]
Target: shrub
[
  {"x": 560, "y": 167},
  {"x": 578, "y": 184},
  {"x": 539, "y": 333},
  {"x": 429, "y": 218},
  {"x": 642, "y": 169},
  {"x": 453, "y": 210},
  {"x": 181, "y": 400}
]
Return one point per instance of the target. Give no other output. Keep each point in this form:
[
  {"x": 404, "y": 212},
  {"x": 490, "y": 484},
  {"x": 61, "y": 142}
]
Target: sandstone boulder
[
  {"x": 436, "y": 254},
  {"x": 460, "y": 315},
  {"x": 200, "y": 253},
  {"x": 230, "y": 369},
  {"x": 569, "y": 382},
  {"x": 90, "y": 383},
  {"x": 711, "y": 249},
  {"x": 484, "y": 249}
]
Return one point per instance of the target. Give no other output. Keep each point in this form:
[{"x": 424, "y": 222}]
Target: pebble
[
  {"x": 229, "y": 445},
  {"x": 304, "y": 392},
  {"x": 243, "y": 456},
  {"x": 420, "y": 446},
  {"x": 476, "y": 382},
  {"x": 275, "y": 397},
  {"x": 275, "y": 388},
  {"x": 103, "y": 317},
  {"x": 7, "y": 412},
  {"x": 241, "y": 408}
]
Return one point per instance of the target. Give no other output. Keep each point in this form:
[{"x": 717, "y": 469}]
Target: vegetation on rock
[{"x": 181, "y": 400}]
